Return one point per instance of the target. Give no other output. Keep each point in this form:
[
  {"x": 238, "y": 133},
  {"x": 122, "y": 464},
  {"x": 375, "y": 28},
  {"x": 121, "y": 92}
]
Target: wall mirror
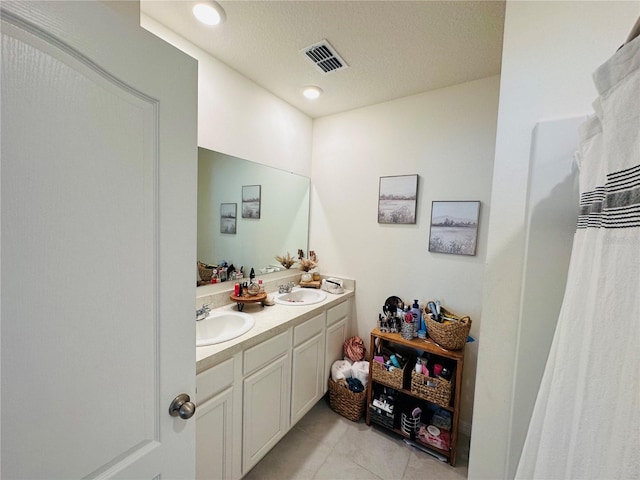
[{"x": 283, "y": 223}]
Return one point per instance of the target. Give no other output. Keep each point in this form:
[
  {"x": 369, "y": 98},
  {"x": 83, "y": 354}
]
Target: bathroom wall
[
  {"x": 240, "y": 118},
  {"x": 550, "y": 51},
  {"x": 447, "y": 138}
]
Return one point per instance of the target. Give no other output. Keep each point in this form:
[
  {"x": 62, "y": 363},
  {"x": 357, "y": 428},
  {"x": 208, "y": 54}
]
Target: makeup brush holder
[{"x": 407, "y": 330}]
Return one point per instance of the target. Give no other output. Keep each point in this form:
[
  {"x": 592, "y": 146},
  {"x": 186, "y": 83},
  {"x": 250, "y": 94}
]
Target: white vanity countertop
[{"x": 270, "y": 320}]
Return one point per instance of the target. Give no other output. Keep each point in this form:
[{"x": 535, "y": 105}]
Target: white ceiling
[{"x": 393, "y": 48}]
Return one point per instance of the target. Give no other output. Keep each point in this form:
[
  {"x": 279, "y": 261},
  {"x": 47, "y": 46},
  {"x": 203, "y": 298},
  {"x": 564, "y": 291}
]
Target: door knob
[{"x": 182, "y": 406}]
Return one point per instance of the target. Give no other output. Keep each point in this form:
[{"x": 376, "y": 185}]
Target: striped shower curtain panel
[{"x": 586, "y": 421}]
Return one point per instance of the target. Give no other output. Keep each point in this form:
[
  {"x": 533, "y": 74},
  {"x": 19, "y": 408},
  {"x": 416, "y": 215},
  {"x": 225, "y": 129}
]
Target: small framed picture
[
  {"x": 228, "y": 217},
  {"x": 454, "y": 227},
  {"x": 397, "y": 199},
  {"x": 251, "y": 201}
]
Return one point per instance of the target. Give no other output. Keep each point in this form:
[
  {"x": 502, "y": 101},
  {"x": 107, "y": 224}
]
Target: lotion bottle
[{"x": 417, "y": 317}]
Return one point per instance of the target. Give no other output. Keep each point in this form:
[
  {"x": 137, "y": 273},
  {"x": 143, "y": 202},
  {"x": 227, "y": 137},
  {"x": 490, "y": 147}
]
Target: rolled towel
[
  {"x": 360, "y": 370},
  {"x": 340, "y": 370}
]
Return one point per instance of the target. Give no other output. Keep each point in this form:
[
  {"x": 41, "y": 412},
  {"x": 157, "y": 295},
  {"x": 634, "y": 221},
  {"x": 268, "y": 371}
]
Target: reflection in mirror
[{"x": 283, "y": 225}]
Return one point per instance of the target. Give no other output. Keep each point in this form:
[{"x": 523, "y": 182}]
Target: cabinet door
[
  {"x": 336, "y": 335},
  {"x": 214, "y": 437},
  {"x": 307, "y": 377},
  {"x": 266, "y": 410}
]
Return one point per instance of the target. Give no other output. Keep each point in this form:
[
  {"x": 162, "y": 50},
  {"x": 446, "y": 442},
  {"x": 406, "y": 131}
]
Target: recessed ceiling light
[
  {"x": 209, "y": 13},
  {"x": 312, "y": 92}
]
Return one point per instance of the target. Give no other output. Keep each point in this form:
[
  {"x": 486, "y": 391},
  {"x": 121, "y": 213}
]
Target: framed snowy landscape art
[
  {"x": 397, "y": 199},
  {"x": 251, "y": 201},
  {"x": 228, "y": 217},
  {"x": 454, "y": 227}
]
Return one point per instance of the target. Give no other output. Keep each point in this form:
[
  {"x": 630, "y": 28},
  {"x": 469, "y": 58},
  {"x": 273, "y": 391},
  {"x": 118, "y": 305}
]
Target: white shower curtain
[{"x": 586, "y": 421}]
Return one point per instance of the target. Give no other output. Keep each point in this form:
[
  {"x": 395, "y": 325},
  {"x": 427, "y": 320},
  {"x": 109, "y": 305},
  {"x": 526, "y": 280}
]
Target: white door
[{"x": 98, "y": 202}]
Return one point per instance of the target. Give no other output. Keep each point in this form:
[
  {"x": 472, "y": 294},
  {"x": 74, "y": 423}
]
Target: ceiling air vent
[{"x": 324, "y": 57}]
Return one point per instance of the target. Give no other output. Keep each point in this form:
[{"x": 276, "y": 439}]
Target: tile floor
[{"x": 326, "y": 446}]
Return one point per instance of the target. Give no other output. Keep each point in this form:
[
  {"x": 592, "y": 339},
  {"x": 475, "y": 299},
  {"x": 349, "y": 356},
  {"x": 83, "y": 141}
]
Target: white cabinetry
[
  {"x": 247, "y": 403},
  {"x": 217, "y": 423},
  {"x": 267, "y": 370},
  {"x": 338, "y": 321},
  {"x": 307, "y": 377}
]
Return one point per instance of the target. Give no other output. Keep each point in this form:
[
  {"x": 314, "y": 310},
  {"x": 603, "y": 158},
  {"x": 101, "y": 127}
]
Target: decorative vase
[{"x": 306, "y": 277}]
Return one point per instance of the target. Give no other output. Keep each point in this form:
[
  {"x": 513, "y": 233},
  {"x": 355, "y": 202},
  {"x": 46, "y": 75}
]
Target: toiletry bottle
[
  {"x": 417, "y": 317},
  {"x": 261, "y": 286},
  {"x": 254, "y": 289},
  {"x": 415, "y": 311}
]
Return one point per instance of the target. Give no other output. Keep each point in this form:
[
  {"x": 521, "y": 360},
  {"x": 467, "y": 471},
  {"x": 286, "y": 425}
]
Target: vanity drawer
[
  {"x": 308, "y": 329},
  {"x": 338, "y": 312},
  {"x": 267, "y": 351},
  {"x": 210, "y": 382}
]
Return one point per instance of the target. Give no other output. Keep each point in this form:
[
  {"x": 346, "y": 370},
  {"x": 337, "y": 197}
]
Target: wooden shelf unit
[{"x": 430, "y": 347}]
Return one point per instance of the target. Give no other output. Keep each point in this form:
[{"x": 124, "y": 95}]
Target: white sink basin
[
  {"x": 300, "y": 296},
  {"x": 222, "y": 326}
]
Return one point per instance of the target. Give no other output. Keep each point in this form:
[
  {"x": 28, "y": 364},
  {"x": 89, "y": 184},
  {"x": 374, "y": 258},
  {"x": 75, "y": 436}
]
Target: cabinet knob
[{"x": 182, "y": 406}]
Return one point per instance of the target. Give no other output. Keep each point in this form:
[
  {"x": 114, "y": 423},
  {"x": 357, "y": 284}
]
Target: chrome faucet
[
  {"x": 201, "y": 313},
  {"x": 286, "y": 288}
]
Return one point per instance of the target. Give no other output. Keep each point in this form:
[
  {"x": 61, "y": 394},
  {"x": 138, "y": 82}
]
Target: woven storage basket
[
  {"x": 394, "y": 379},
  {"x": 205, "y": 271},
  {"x": 345, "y": 402},
  {"x": 382, "y": 418},
  {"x": 439, "y": 393},
  {"x": 452, "y": 335}
]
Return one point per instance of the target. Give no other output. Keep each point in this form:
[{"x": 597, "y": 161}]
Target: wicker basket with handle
[
  {"x": 451, "y": 334},
  {"x": 393, "y": 378},
  {"x": 345, "y": 402},
  {"x": 205, "y": 271},
  {"x": 436, "y": 390}
]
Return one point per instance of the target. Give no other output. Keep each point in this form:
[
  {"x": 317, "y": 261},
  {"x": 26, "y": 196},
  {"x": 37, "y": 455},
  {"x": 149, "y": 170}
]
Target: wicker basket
[
  {"x": 394, "y": 378},
  {"x": 345, "y": 402},
  {"x": 380, "y": 417},
  {"x": 205, "y": 271},
  {"x": 436, "y": 390},
  {"x": 450, "y": 335}
]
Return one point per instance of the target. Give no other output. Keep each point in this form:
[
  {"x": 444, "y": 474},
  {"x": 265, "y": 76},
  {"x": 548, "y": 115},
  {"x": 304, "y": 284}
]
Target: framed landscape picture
[
  {"x": 228, "y": 217},
  {"x": 251, "y": 201},
  {"x": 397, "y": 199},
  {"x": 454, "y": 227}
]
